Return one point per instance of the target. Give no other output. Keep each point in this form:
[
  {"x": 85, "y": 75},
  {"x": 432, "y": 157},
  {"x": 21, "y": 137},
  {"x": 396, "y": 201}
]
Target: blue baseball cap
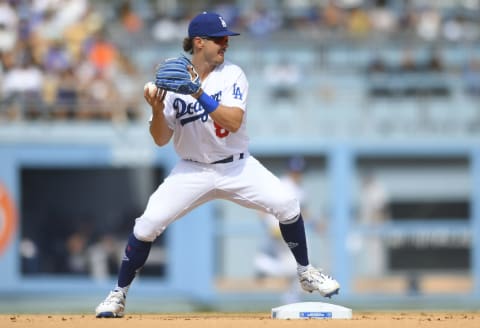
[{"x": 209, "y": 24}]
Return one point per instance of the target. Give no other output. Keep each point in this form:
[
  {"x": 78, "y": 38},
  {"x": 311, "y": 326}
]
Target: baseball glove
[{"x": 178, "y": 75}]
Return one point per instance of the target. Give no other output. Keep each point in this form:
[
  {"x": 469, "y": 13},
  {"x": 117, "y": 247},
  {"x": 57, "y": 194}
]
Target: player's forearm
[
  {"x": 229, "y": 118},
  {"x": 159, "y": 129}
]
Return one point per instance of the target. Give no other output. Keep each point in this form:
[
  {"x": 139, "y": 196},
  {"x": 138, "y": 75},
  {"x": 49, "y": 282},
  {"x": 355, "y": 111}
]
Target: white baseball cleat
[
  {"x": 113, "y": 306},
  {"x": 315, "y": 280}
]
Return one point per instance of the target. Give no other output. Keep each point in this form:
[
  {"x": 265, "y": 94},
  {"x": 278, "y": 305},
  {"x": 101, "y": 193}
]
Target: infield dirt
[{"x": 244, "y": 320}]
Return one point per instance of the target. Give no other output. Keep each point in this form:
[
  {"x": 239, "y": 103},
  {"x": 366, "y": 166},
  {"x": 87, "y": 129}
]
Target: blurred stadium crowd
[{"x": 76, "y": 59}]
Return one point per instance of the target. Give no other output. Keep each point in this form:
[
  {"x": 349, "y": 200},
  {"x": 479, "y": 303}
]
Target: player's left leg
[{"x": 251, "y": 185}]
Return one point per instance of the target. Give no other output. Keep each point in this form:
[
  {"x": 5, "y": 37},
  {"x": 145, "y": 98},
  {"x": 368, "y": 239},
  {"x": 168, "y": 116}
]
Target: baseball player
[{"x": 201, "y": 104}]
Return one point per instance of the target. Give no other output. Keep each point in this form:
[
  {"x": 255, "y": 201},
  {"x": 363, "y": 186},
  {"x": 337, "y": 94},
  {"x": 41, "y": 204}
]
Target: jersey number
[{"x": 219, "y": 131}]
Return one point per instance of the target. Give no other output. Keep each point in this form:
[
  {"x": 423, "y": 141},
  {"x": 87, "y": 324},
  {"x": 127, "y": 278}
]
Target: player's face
[{"x": 216, "y": 47}]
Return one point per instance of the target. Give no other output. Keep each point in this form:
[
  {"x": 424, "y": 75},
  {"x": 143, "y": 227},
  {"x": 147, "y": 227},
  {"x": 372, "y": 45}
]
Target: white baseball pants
[{"x": 244, "y": 181}]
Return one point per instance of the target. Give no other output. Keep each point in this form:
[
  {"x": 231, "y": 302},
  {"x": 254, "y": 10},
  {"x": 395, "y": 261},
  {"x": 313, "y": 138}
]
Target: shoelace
[
  {"x": 326, "y": 276},
  {"x": 311, "y": 273},
  {"x": 115, "y": 296}
]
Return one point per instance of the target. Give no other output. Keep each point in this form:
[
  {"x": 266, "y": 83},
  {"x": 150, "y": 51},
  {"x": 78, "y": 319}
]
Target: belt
[{"x": 228, "y": 159}]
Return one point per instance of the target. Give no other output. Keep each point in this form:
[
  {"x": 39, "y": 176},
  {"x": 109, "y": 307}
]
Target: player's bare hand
[{"x": 156, "y": 97}]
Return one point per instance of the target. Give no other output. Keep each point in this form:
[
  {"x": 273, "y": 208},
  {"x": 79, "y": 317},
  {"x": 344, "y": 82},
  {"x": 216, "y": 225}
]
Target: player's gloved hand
[{"x": 178, "y": 75}]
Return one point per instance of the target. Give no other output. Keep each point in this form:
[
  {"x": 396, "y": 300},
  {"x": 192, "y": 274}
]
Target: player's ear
[{"x": 198, "y": 42}]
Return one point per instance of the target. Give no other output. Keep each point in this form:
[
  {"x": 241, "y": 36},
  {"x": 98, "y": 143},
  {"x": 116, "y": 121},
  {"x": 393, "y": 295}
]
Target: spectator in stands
[
  {"x": 373, "y": 211},
  {"x": 471, "y": 77},
  {"x": 25, "y": 30},
  {"x": 46, "y": 29},
  {"x": 104, "y": 257},
  {"x": 428, "y": 23},
  {"x": 85, "y": 71},
  {"x": 76, "y": 261},
  {"x": 131, "y": 22},
  {"x": 69, "y": 11},
  {"x": 263, "y": 21},
  {"x": 408, "y": 62},
  {"x": 100, "y": 98},
  {"x": 29, "y": 256},
  {"x": 66, "y": 100},
  {"x": 8, "y": 26},
  {"x": 374, "y": 201},
  {"x": 51, "y": 82},
  {"x": 282, "y": 78},
  {"x": 358, "y": 23},
  {"x": 434, "y": 61},
  {"x": 378, "y": 74},
  {"x": 435, "y": 82},
  {"x": 22, "y": 89},
  {"x": 7, "y": 38},
  {"x": 77, "y": 34},
  {"x": 377, "y": 65},
  {"x": 332, "y": 16},
  {"x": 126, "y": 80},
  {"x": 382, "y": 19},
  {"x": 7, "y": 62},
  {"x": 454, "y": 28},
  {"x": 56, "y": 58},
  {"x": 166, "y": 28},
  {"x": 102, "y": 54}
]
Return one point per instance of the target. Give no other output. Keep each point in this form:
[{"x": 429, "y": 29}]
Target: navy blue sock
[
  {"x": 294, "y": 236},
  {"x": 136, "y": 254}
]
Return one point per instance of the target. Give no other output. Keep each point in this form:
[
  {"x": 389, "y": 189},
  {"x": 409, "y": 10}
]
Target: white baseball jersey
[{"x": 196, "y": 136}]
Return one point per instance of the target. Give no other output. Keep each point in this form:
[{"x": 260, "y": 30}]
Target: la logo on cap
[{"x": 222, "y": 21}]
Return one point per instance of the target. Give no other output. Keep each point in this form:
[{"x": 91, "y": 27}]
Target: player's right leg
[
  {"x": 186, "y": 187},
  {"x": 254, "y": 186},
  {"x": 311, "y": 279}
]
